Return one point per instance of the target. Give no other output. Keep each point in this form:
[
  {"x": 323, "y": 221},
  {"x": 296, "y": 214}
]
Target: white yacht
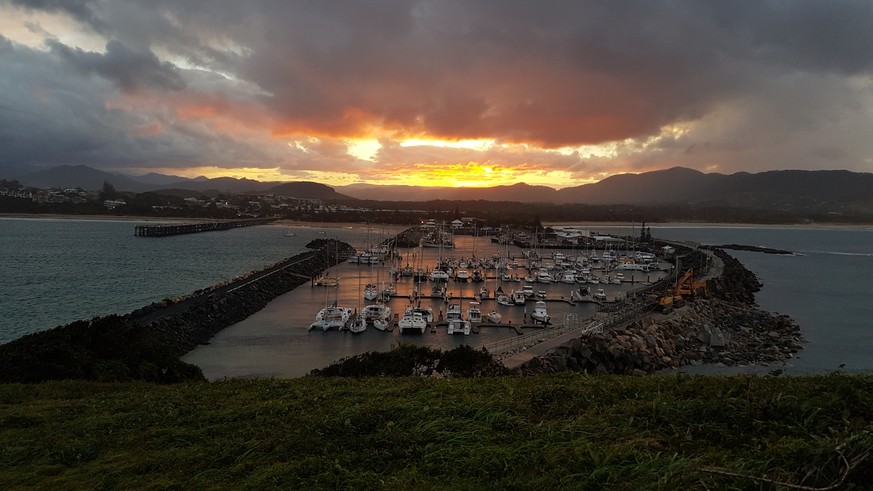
[
  {"x": 412, "y": 321},
  {"x": 426, "y": 312},
  {"x": 371, "y": 291},
  {"x": 504, "y": 299},
  {"x": 494, "y": 317},
  {"x": 459, "y": 326},
  {"x": 568, "y": 277},
  {"x": 439, "y": 275},
  {"x": 474, "y": 313},
  {"x": 540, "y": 313},
  {"x": 453, "y": 312},
  {"x": 330, "y": 317},
  {"x": 462, "y": 275},
  {"x": 599, "y": 295},
  {"x": 527, "y": 291},
  {"x": 358, "y": 325},
  {"x": 519, "y": 297},
  {"x": 543, "y": 276},
  {"x": 377, "y": 312}
]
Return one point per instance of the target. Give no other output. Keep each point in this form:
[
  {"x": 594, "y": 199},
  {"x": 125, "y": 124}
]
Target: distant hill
[
  {"x": 158, "y": 179},
  {"x": 307, "y": 190},
  {"x": 521, "y": 192},
  {"x": 669, "y": 186},
  {"x": 828, "y": 192},
  {"x": 12, "y": 171},
  {"x": 377, "y": 192},
  {"x": 229, "y": 185},
  {"x": 88, "y": 178},
  {"x": 81, "y": 176},
  {"x": 836, "y": 191}
]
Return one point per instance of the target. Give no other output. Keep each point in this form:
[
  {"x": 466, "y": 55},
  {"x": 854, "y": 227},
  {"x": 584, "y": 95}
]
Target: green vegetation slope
[{"x": 565, "y": 431}]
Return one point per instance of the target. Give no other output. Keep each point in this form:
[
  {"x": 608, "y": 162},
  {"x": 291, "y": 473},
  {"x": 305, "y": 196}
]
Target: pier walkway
[{"x": 167, "y": 230}]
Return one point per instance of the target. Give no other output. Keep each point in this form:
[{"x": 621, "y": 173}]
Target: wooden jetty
[{"x": 167, "y": 230}]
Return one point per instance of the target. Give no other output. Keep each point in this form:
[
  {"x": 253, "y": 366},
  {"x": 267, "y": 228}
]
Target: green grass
[{"x": 548, "y": 432}]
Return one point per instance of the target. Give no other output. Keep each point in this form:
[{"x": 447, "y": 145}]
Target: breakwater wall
[
  {"x": 726, "y": 328},
  {"x": 167, "y": 230},
  {"x": 187, "y": 322}
]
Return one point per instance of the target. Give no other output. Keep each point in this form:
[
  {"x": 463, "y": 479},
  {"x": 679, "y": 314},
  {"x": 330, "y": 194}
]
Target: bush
[
  {"x": 109, "y": 348},
  {"x": 407, "y": 359}
]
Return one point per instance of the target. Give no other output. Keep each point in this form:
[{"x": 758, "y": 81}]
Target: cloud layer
[{"x": 562, "y": 92}]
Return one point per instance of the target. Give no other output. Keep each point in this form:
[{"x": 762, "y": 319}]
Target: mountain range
[{"x": 786, "y": 190}]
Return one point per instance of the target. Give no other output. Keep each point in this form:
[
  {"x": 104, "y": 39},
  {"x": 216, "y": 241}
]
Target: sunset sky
[{"x": 442, "y": 92}]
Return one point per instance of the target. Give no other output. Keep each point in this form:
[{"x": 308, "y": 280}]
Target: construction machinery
[{"x": 686, "y": 287}]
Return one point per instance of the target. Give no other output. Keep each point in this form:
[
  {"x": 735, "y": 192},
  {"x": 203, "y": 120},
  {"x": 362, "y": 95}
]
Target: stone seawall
[
  {"x": 726, "y": 328},
  {"x": 194, "y": 320}
]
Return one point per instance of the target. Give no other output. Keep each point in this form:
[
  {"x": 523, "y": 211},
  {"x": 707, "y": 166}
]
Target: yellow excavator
[{"x": 686, "y": 287}]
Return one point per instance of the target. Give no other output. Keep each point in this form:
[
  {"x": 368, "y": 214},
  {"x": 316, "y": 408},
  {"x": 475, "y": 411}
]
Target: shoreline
[
  {"x": 584, "y": 224},
  {"x": 725, "y": 225}
]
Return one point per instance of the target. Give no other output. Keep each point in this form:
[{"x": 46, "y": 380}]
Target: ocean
[{"x": 57, "y": 271}]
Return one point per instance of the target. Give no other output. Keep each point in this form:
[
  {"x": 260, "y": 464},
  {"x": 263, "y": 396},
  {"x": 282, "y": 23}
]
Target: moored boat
[
  {"x": 377, "y": 312},
  {"x": 358, "y": 324},
  {"x": 453, "y": 312},
  {"x": 426, "y": 312},
  {"x": 459, "y": 326},
  {"x": 519, "y": 297},
  {"x": 331, "y": 317},
  {"x": 474, "y": 313},
  {"x": 412, "y": 321},
  {"x": 540, "y": 313},
  {"x": 371, "y": 291}
]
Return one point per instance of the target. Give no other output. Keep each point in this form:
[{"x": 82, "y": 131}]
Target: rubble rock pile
[{"x": 726, "y": 329}]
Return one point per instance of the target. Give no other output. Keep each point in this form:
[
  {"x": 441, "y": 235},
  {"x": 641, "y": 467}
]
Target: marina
[{"x": 477, "y": 275}]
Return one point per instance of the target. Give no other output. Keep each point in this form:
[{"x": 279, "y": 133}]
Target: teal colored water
[{"x": 56, "y": 271}]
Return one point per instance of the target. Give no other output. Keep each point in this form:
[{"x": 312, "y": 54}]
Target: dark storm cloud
[
  {"x": 80, "y": 10},
  {"x": 52, "y": 116},
  {"x": 563, "y": 73},
  {"x": 760, "y": 83},
  {"x": 127, "y": 68}
]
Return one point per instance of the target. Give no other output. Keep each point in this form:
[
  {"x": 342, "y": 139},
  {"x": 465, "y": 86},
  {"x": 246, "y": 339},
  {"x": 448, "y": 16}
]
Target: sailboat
[
  {"x": 371, "y": 291},
  {"x": 331, "y": 315},
  {"x": 359, "y": 323},
  {"x": 412, "y": 321},
  {"x": 415, "y": 299}
]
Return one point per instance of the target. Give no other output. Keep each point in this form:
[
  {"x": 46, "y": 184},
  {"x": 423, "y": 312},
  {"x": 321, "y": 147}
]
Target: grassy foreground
[{"x": 564, "y": 431}]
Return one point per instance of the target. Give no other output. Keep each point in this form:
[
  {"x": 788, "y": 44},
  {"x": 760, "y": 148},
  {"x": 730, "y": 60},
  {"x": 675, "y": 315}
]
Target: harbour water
[
  {"x": 276, "y": 341},
  {"x": 60, "y": 270}
]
